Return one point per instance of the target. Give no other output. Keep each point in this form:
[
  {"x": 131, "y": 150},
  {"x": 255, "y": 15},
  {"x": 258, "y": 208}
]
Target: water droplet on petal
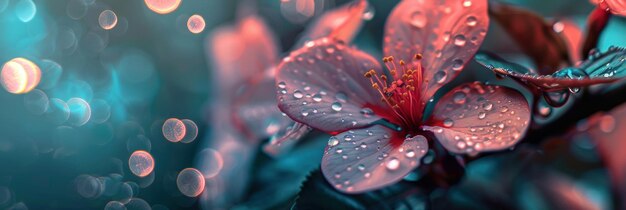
[
  {"x": 471, "y": 21},
  {"x": 410, "y": 154},
  {"x": 459, "y": 97},
  {"x": 317, "y": 97},
  {"x": 347, "y": 137},
  {"x": 282, "y": 85},
  {"x": 460, "y": 40},
  {"x": 457, "y": 64},
  {"x": 367, "y": 112},
  {"x": 487, "y": 106},
  {"x": 298, "y": 94},
  {"x": 341, "y": 96},
  {"x": 448, "y": 122},
  {"x": 418, "y": 19},
  {"x": 336, "y": 106},
  {"x": 467, "y": 3},
  {"x": 393, "y": 164},
  {"x": 481, "y": 115},
  {"x": 441, "y": 76},
  {"x": 333, "y": 141}
]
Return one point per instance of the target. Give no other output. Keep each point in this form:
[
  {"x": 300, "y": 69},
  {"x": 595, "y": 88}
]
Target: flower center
[{"x": 400, "y": 89}]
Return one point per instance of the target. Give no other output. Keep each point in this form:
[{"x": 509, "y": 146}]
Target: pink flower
[{"x": 379, "y": 119}]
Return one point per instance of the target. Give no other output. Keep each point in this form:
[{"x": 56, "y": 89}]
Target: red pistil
[{"x": 400, "y": 90}]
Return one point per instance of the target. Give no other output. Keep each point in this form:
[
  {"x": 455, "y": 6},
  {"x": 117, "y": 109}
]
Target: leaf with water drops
[
  {"x": 446, "y": 33},
  {"x": 366, "y": 159},
  {"x": 322, "y": 85},
  {"x": 342, "y": 23},
  {"x": 475, "y": 117},
  {"x": 533, "y": 34},
  {"x": 241, "y": 52},
  {"x": 562, "y": 79}
]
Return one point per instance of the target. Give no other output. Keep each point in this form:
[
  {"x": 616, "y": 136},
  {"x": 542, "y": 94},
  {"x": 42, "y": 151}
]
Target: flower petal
[
  {"x": 572, "y": 34},
  {"x": 341, "y": 23},
  {"x": 257, "y": 114},
  {"x": 322, "y": 85},
  {"x": 366, "y": 159},
  {"x": 562, "y": 79},
  {"x": 242, "y": 51},
  {"x": 617, "y": 7},
  {"x": 446, "y": 33},
  {"x": 283, "y": 141},
  {"x": 596, "y": 22},
  {"x": 475, "y": 117}
]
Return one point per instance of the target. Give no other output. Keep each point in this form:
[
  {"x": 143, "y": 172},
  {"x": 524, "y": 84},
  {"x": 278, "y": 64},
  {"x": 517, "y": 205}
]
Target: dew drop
[
  {"x": 441, "y": 77},
  {"x": 487, "y": 106},
  {"x": 366, "y": 112},
  {"x": 481, "y": 115},
  {"x": 460, "y": 40},
  {"x": 361, "y": 167},
  {"x": 410, "y": 153},
  {"x": 298, "y": 94},
  {"x": 544, "y": 109},
  {"x": 459, "y": 97},
  {"x": 460, "y": 145},
  {"x": 457, "y": 64},
  {"x": 341, "y": 97},
  {"x": 282, "y": 85},
  {"x": 393, "y": 164},
  {"x": 336, "y": 106},
  {"x": 471, "y": 21},
  {"x": 467, "y": 3},
  {"x": 347, "y": 137},
  {"x": 418, "y": 19},
  {"x": 448, "y": 122},
  {"x": 369, "y": 13},
  {"x": 317, "y": 97},
  {"x": 333, "y": 141}
]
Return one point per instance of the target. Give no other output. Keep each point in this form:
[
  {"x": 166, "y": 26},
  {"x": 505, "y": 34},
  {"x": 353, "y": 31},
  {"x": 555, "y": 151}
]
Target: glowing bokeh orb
[
  {"x": 191, "y": 131},
  {"x": 20, "y": 76},
  {"x": 80, "y": 111},
  {"x": 58, "y": 112},
  {"x": 190, "y": 182},
  {"x": 107, "y": 19},
  {"x": 174, "y": 130},
  {"x": 141, "y": 163},
  {"x": 196, "y": 24},
  {"x": 25, "y": 10},
  {"x": 114, "y": 205},
  {"x": 211, "y": 162},
  {"x": 162, "y": 6},
  {"x": 36, "y": 102}
]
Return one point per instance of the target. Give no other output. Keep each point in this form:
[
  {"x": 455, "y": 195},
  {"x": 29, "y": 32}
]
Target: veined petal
[
  {"x": 593, "y": 71},
  {"x": 446, "y": 33},
  {"x": 341, "y": 23},
  {"x": 475, "y": 117},
  {"x": 242, "y": 51},
  {"x": 367, "y": 159},
  {"x": 323, "y": 85}
]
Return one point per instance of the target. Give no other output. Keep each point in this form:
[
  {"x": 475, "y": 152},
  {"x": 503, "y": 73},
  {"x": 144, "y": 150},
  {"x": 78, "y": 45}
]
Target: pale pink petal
[
  {"x": 608, "y": 133},
  {"x": 367, "y": 159},
  {"x": 617, "y": 7},
  {"x": 559, "y": 192},
  {"x": 256, "y": 112},
  {"x": 282, "y": 142},
  {"x": 446, "y": 33},
  {"x": 242, "y": 52},
  {"x": 323, "y": 85},
  {"x": 341, "y": 23},
  {"x": 475, "y": 117}
]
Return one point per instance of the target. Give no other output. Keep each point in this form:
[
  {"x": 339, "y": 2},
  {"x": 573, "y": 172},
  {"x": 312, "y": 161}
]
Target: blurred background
[{"x": 111, "y": 80}]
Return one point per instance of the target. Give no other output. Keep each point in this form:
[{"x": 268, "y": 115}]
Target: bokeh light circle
[
  {"x": 88, "y": 186},
  {"x": 58, "y": 111},
  {"x": 190, "y": 182},
  {"x": 173, "y": 130},
  {"x": 80, "y": 111},
  {"x": 107, "y": 19},
  {"x": 20, "y": 75},
  {"x": 191, "y": 131},
  {"x": 36, "y": 102},
  {"x": 25, "y": 10},
  {"x": 162, "y": 6},
  {"x": 211, "y": 162},
  {"x": 141, "y": 163},
  {"x": 196, "y": 24},
  {"x": 100, "y": 111},
  {"x": 50, "y": 74},
  {"x": 114, "y": 205}
]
